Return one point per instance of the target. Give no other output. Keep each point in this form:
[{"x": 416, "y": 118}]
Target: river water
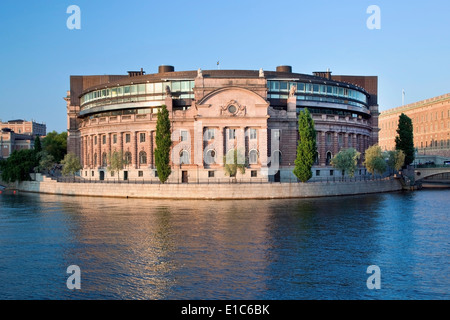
[{"x": 271, "y": 249}]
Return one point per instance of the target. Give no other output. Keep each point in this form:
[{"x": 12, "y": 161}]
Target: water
[{"x": 273, "y": 249}]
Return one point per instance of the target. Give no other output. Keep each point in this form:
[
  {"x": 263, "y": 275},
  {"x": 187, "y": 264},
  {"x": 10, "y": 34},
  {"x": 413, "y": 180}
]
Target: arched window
[
  {"x": 253, "y": 157},
  {"x": 184, "y": 157},
  {"x": 329, "y": 157},
  {"x": 142, "y": 157},
  {"x": 210, "y": 157},
  {"x": 127, "y": 158}
]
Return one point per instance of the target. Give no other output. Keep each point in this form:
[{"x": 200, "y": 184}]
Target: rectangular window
[
  {"x": 253, "y": 134},
  {"x": 331, "y": 172},
  {"x": 210, "y": 174},
  {"x": 104, "y": 139},
  {"x": 112, "y": 173},
  {"x": 141, "y": 88},
  {"x": 127, "y": 138},
  {"x": 183, "y": 135},
  {"x": 142, "y": 137},
  {"x": 140, "y": 173},
  {"x": 317, "y": 173},
  {"x": 114, "y": 138},
  {"x": 95, "y": 140},
  {"x": 254, "y": 173},
  {"x": 231, "y": 134},
  {"x": 176, "y": 86}
]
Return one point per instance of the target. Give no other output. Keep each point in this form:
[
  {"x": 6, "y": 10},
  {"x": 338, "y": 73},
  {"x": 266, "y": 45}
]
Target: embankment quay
[{"x": 219, "y": 191}]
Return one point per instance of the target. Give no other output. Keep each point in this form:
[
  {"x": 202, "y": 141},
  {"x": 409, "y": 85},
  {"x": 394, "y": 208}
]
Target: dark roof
[{"x": 191, "y": 75}]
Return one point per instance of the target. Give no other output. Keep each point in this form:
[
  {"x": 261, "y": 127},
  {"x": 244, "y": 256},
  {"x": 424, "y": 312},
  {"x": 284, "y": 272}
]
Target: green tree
[
  {"x": 37, "y": 144},
  {"x": 18, "y": 166},
  {"x": 116, "y": 162},
  {"x": 163, "y": 144},
  {"x": 405, "y": 139},
  {"x": 374, "y": 160},
  {"x": 71, "y": 164},
  {"x": 55, "y": 144},
  {"x": 233, "y": 164},
  {"x": 306, "y": 146},
  {"x": 346, "y": 161},
  {"x": 396, "y": 159},
  {"x": 46, "y": 161}
]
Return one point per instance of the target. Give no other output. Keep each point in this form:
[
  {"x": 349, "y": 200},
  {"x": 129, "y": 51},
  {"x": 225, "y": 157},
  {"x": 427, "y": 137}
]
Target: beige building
[
  {"x": 19, "y": 134},
  {"x": 214, "y": 112},
  {"x": 431, "y": 123}
]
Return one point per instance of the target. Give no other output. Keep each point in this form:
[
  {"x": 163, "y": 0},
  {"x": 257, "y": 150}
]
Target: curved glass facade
[
  {"x": 317, "y": 92},
  {"x": 180, "y": 89}
]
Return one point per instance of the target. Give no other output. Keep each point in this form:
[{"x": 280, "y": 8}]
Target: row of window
[
  {"x": 210, "y": 157},
  {"x": 142, "y": 138},
  {"x": 211, "y": 173},
  {"x": 184, "y": 135},
  {"x": 318, "y": 89},
  {"x": 157, "y": 88},
  {"x": 435, "y": 144}
]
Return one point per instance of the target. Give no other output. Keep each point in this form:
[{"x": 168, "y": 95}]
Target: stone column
[
  {"x": 120, "y": 142},
  {"x": 150, "y": 148},
  {"x": 108, "y": 143},
  {"x": 323, "y": 148},
  {"x": 219, "y": 143},
  {"x": 198, "y": 143},
  {"x": 99, "y": 150},
  {"x": 240, "y": 143},
  {"x": 262, "y": 146},
  {"x": 335, "y": 144},
  {"x": 134, "y": 156}
]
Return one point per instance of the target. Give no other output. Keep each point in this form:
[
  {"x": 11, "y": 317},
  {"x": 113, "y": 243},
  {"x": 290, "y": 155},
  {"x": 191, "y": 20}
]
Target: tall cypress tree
[
  {"x": 37, "y": 144},
  {"x": 306, "y": 147},
  {"x": 163, "y": 144},
  {"x": 405, "y": 139}
]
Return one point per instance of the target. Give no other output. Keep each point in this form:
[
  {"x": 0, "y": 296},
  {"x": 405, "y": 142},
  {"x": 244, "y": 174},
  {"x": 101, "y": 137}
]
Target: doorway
[{"x": 184, "y": 176}]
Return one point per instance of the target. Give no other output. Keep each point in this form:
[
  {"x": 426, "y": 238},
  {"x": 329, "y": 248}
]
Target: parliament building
[{"x": 213, "y": 113}]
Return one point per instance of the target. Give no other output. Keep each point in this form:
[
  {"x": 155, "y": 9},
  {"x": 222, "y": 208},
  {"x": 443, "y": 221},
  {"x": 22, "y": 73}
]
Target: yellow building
[{"x": 431, "y": 123}]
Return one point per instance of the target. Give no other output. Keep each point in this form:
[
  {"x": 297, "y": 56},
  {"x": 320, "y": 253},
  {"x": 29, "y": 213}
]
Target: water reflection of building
[
  {"x": 161, "y": 247},
  {"x": 214, "y": 112}
]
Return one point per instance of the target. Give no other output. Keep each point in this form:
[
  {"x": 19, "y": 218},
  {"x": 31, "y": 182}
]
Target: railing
[{"x": 77, "y": 179}]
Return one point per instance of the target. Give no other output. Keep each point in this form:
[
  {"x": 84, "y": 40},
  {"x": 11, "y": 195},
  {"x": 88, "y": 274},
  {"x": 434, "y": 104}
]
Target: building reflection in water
[{"x": 152, "y": 249}]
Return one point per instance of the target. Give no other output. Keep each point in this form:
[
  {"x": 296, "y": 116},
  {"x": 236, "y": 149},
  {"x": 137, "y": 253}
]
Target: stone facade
[
  {"x": 213, "y": 113},
  {"x": 431, "y": 123},
  {"x": 222, "y": 191}
]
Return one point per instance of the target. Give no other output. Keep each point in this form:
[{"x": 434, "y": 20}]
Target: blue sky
[{"x": 39, "y": 53}]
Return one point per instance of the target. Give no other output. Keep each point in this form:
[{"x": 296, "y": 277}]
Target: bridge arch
[{"x": 422, "y": 173}]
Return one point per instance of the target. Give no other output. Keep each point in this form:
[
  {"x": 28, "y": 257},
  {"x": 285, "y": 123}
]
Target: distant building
[
  {"x": 19, "y": 134},
  {"x": 214, "y": 112},
  {"x": 431, "y": 123},
  {"x": 25, "y": 127}
]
